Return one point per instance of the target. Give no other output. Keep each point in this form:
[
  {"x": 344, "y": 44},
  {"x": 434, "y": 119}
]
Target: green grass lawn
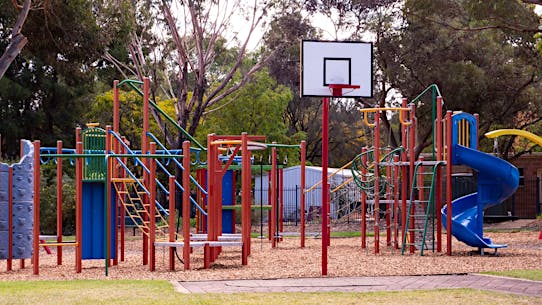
[
  {"x": 535, "y": 275},
  {"x": 112, "y": 292}
]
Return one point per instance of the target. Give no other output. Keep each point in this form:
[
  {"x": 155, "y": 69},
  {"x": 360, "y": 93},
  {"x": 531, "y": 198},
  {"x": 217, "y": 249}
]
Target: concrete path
[{"x": 365, "y": 284}]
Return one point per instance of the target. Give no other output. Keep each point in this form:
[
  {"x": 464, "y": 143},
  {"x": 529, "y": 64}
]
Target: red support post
[
  {"x": 10, "y": 219},
  {"x": 211, "y": 194},
  {"x": 21, "y": 154},
  {"x": 122, "y": 212},
  {"x": 404, "y": 177},
  {"x": 245, "y": 197},
  {"x": 377, "y": 182},
  {"x": 273, "y": 184},
  {"x": 325, "y": 191},
  {"x": 116, "y": 107},
  {"x": 388, "y": 197},
  {"x": 171, "y": 221},
  {"x": 281, "y": 202},
  {"x": 152, "y": 208},
  {"x": 302, "y": 195},
  {"x": 144, "y": 150},
  {"x": 36, "y": 240},
  {"x": 186, "y": 204},
  {"x": 449, "y": 149},
  {"x": 363, "y": 199},
  {"x": 59, "y": 203},
  {"x": 438, "y": 190}
]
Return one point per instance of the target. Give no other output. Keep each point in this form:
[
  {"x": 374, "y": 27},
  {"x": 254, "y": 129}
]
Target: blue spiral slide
[{"x": 497, "y": 180}]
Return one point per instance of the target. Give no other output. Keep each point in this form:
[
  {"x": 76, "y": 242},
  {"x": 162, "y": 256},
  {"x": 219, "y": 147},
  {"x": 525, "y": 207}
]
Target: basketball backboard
[{"x": 339, "y": 63}]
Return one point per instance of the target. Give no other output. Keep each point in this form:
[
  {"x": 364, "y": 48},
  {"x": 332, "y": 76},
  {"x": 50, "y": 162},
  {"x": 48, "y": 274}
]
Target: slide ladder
[
  {"x": 421, "y": 208},
  {"x": 134, "y": 198}
]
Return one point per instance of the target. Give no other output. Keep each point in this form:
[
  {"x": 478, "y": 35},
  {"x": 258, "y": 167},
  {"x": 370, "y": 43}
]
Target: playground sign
[{"x": 325, "y": 63}]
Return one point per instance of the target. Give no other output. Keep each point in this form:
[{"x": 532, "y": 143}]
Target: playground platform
[{"x": 366, "y": 284}]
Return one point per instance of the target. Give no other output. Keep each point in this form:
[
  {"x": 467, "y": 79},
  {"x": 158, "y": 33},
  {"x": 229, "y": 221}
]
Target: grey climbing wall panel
[{"x": 23, "y": 205}]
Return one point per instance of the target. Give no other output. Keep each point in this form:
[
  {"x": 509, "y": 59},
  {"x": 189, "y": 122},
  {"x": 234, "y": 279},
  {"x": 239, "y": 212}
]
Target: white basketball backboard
[{"x": 339, "y": 63}]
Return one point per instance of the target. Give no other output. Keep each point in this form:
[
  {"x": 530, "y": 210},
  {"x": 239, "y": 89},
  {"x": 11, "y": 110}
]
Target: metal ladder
[{"x": 421, "y": 208}]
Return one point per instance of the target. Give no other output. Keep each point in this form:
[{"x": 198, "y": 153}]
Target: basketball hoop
[{"x": 337, "y": 89}]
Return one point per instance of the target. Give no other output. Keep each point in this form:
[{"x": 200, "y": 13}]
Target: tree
[
  {"x": 50, "y": 83},
  {"x": 208, "y": 60},
  {"x": 18, "y": 40},
  {"x": 492, "y": 71}
]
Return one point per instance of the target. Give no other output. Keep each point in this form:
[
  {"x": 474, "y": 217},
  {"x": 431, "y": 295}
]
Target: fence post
[
  {"x": 296, "y": 203},
  {"x": 537, "y": 196}
]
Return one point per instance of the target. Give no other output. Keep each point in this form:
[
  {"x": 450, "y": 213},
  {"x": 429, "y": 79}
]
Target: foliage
[
  {"x": 481, "y": 64},
  {"x": 48, "y": 199},
  {"x": 49, "y": 86}
]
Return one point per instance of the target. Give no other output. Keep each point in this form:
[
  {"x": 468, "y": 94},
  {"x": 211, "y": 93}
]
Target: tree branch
[{"x": 18, "y": 40}]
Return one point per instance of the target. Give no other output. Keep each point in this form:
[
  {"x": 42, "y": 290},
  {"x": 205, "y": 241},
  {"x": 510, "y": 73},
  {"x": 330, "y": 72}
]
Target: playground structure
[{"x": 115, "y": 182}]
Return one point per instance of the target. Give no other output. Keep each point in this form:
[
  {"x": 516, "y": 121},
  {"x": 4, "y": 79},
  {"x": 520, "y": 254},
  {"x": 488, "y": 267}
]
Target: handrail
[
  {"x": 168, "y": 155},
  {"x": 178, "y": 164},
  {"x": 435, "y": 92},
  {"x": 167, "y": 151},
  {"x": 432, "y": 86},
  {"x": 132, "y": 83}
]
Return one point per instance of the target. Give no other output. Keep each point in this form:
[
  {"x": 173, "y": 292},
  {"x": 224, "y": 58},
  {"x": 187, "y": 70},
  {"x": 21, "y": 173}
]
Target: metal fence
[
  {"x": 525, "y": 203},
  {"x": 345, "y": 204}
]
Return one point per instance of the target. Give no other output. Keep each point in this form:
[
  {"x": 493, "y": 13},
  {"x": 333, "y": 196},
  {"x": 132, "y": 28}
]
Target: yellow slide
[{"x": 515, "y": 132}]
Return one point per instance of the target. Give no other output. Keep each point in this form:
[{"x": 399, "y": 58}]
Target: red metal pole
[
  {"x": 363, "y": 199},
  {"x": 186, "y": 204},
  {"x": 245, "y": 197},
  {"x": 59, "y": 203},
  {"x": 449, "y": 214},
  {"x": 116, "y": 107},
  {"x": 79, "y": 206},
  {"x": 325, "y": 197},
  {"x": 388, "y": 197},
  {"x": 10, "y": 218},
  {"x": 281, "y": 202},
  {"x": 412, "y": 159},
  {"x": 122, "y": 212},
  {"x": 302, "y": 195},
  {"x": 273, "y": 196},
  {"x": 438, "y": 190},
  {"x": 211, "y": 190},
  {"x": 36, "y": 240},
  {"x": 171, "y": 221},
  {"x": 108, "y": 216},
  {"x": 404, "y": 177},
  {"x": 144, "y": 150},
  {"x": 21, "y": 154},
  {"x": 377, "y": 182},
  {"x": 152, "y": 208}
]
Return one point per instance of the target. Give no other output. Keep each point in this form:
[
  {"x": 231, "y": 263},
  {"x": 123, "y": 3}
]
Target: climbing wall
[{"x": 23, "y": 200}]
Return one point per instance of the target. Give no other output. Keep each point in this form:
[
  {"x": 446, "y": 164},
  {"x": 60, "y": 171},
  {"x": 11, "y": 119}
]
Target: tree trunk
[
  {"x": 18, "y": 40},
  {"x": 14, "y": 48}
]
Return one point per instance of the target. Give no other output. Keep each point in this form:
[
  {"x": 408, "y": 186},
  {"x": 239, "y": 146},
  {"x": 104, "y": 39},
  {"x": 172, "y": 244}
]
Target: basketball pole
[
  {"x": 337, "y": 92},
  {"x": 325, "y": 197}
]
